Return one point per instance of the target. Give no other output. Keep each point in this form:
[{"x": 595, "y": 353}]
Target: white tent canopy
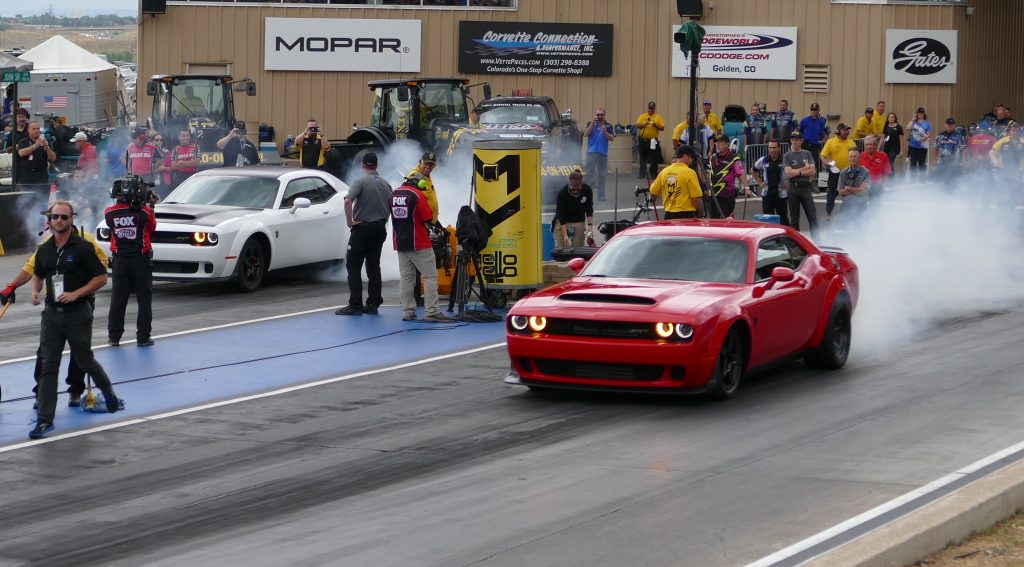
[
  {"x": 12, "y": 63},
  {"x": 60, "y": 55}
]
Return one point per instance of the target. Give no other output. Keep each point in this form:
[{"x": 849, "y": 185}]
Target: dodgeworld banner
[
  {"x": 524, "y": 48},
  {"x": 740, "y": 52},
  {"x": 331, "y": 44},
  {"x": 920, "y": 56}
]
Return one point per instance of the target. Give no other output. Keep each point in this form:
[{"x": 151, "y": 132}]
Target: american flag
[{"x": 55, "y": 102}]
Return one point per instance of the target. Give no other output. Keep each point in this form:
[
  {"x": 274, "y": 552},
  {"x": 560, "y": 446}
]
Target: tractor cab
[
  {"x": 202, "y": 104},
  {"x": 420, "y": 109}
]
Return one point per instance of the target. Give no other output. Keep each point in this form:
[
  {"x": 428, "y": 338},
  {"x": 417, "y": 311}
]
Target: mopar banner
[
  {"x": 920, "y": 56},
  {"x": 741, "y": 52},
  {"x": 523, "y": 48},
  {"x": 332, "y": 44}
]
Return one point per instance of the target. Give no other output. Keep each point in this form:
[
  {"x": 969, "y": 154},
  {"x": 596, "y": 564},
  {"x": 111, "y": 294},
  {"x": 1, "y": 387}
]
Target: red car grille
[
  {"x": 604, "y": 371},
  {"x": 606, "y": 329}
]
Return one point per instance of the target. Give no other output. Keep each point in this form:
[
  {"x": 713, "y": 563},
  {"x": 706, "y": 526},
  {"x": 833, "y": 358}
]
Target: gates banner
[
  {"x": 330, "y": 44},
  {"x": 525, "y": 48},
  {"x": 741, "y": 52},
  {"x": 920, "y": 56}
]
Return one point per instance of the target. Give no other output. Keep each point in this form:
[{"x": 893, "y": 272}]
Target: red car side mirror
[
  {"x": 576, "y": 265},
  {"x": 783, "y": 274}
]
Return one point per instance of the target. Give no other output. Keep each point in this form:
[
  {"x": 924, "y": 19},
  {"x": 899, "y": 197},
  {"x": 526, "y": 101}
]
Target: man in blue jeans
[{"x": 598, "y": 133}]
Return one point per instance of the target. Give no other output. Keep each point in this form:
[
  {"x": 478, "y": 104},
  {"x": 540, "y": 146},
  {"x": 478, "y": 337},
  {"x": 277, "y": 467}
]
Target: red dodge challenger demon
[{"x": 686, "y": 307}]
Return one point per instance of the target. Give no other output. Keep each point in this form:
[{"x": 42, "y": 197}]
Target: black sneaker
[
  {"x": 145, "y": 342},
  {"x": 113, "y": 342},
  {"x": 112, "y": 401},
  {"x": 75, "y": 401},
  {"x": 349, "y": 310},
  {"x": 370, "y": 310},
  {"x": 40, "y": 430}
]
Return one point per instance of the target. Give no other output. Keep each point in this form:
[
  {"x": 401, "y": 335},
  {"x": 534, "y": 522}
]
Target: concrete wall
[{"x": 848, "y": 37}]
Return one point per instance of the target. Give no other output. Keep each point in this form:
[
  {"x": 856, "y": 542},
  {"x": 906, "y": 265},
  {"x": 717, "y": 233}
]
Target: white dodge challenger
[{"x": 238, "y": 223}]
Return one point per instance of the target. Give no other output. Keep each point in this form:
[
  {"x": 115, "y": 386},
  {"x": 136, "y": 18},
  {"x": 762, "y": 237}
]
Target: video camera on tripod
[{"x": 131, "y": 190}]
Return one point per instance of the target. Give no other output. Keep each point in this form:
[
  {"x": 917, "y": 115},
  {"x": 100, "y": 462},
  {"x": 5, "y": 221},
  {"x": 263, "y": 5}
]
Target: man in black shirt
[
  {"x": 313, "y": 146},
  {"x": 574, "y": 204},
  {"x": 34, "y": 157},
  {"x": 236, "y": 149},
  {"x": 66, "y": 274}
]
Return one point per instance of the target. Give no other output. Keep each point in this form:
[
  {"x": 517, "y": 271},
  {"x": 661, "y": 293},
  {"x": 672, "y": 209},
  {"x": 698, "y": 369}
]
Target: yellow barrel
[{"x": 507, "y": 195}]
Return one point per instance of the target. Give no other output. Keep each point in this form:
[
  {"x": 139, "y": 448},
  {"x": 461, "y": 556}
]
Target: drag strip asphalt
[
  {"x": 191, "y": 369},
  {"x": 442, "y": 464}
]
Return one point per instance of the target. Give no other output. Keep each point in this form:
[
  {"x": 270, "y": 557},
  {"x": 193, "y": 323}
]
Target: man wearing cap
[
  {"x": 409, "y": 215},
  {"x": 814, "y": 128},
  {"x": 648, "y": 126},
  {"x": 599, "y": 133},
  {"x": 141, "y": 156},
  {"x": 800, "y": 172},
  {"x": 711, "y": 118},
  {"x": 863, "y": 128},
  {"x": 574, "y": 205},
  {"x": 679, "y": 187},
  {"x": 422, "y": 171},
  {"x": 949, "y": 153},
  {"x": 236, "y": 149},
  {"x": 835, "y": 155},
  {"x": 33, "y": 161},
  {"x": 20, "y": 131},
  {"x": 918, "y": 141},
  {"x": 367, "y": 207},
  {"x": 313, "y": 146},
  {"x": 726, "y": 173},
  {"x": 88, "y": 161}
]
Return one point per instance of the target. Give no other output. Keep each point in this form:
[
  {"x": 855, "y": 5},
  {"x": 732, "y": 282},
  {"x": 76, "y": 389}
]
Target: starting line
[{"x": 201, "y": 370}]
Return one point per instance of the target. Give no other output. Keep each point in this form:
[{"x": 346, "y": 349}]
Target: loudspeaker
[
  {"x": 687, "y": 8},
  {"x": 160, "y": 6}
]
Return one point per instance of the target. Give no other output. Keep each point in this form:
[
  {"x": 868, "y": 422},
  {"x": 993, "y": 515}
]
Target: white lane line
[
  {"x": 238, "y": 400},
  {"x": 877, "y": 511},
  {"x": 200, "y": 330}
]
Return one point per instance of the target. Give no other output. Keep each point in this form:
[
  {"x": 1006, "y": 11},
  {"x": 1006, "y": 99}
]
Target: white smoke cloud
[{"x": 931, "y": 253}]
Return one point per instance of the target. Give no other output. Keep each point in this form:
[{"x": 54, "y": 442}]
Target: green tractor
[{"x": 205, "y": 106}]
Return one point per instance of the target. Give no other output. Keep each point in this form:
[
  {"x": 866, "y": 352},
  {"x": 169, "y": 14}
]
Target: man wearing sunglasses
[
  {"x": 67, "y": 273},
  {"x": 76, "y": 376}
]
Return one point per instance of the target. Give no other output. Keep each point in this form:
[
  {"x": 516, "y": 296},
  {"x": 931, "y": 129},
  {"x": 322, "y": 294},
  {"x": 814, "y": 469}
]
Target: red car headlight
[{"x": 519, "y": 322}]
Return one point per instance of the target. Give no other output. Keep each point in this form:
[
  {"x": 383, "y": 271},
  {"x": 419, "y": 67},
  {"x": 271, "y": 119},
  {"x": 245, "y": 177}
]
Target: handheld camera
[{"x": 131, "y": 190}]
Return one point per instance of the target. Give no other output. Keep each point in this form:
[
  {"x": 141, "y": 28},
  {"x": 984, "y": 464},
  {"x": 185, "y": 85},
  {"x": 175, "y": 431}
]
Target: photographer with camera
[
  {"x": 132, "y": 224},
  {"x": 236, "y": 149},
  {"x": 313, "y": 146},
  {"x": 599, "y": 133}
]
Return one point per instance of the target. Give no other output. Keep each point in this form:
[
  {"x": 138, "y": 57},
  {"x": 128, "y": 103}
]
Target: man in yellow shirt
[
  {"x": 863, "y": 128},
  {"x": 648, "y": 126},
  {"x": 678, "y": 182},
  {"x": 76, "y": 377},
  {"x": 677, "y": 132},
  {"x": 836, "y": 157},
  {"x": 422, "y": 172},
  {"x": 712, "y": 119},
  {"x": 878, "y": 119}
]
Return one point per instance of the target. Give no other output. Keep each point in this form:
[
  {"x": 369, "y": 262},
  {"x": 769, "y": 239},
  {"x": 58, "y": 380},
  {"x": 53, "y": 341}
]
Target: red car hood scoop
[{"x": 604, "y": 297}]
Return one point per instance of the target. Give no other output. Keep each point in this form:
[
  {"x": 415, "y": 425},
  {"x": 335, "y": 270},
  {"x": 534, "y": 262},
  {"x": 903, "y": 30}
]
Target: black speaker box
[
  {"x": 160, "y": 6},
  {"x": 687, "y": 8}
]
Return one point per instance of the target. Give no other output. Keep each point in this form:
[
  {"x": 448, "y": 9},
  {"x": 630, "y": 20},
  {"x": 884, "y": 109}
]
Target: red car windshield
[{"x": 686, "y": 258}]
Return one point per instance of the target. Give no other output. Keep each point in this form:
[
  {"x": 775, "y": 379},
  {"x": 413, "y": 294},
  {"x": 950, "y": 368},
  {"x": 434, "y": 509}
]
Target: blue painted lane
[{"x": 208, "y": 366}]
